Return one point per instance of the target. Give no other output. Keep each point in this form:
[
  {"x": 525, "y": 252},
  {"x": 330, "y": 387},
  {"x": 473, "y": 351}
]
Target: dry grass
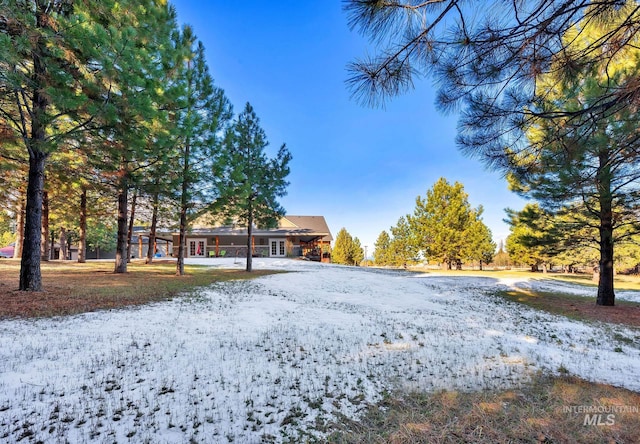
[
  {"x": 533, "y": 413},
  {"x": 576, "y": 307},
  {"x": 71, "y": 288}
]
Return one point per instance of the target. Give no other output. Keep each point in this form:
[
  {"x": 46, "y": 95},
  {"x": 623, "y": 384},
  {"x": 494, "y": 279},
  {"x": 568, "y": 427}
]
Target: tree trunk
[
  {"x": 181, "y": 241},
  {"x": 606, "y": 295},
  {"x": 121, "y": 245},
  {"x": 132, "y": 216},
  {"x": 44, "y": 232},
  {"x": 249, "y": 234},
  {"x": 184, "y": 202},
  {"x": 30, "y": 274},
  {"x": 63, "y": 244},
  {"x": 82, "y": 243},
  {"x": 151, "y": 250},
  {"x": 52, "y": 244},
  {"x": 17, "y": 252}
]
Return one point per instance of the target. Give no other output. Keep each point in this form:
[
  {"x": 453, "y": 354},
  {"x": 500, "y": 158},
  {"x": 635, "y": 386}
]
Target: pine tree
[
  {"x": 556, "y": 85},
  {"x": 250, "y": 183},
  {"x": 356, "y": 253},
  {"x": 440, "y": 223},
  {"x": 342, "y": 250},
  {"x": 501, "y": 259},
  {"x": 480, "y": 245},
  {"x": 147, "y": 31},
  {"x": 581, "y": 166},
  {"x": 533, "y": 240},
  {"x": 45, "y": 96},
  {"x": 382, "y": 253},
  {"x": 202, "y": 112},
  {"x": 403, "y": 247},
  {"x": 491, "y": 80},
  {"x": 70, "y": 68}
]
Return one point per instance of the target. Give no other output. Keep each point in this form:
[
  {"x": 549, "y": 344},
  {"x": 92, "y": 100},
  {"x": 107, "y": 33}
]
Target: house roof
[
  {"x": 308, "y": 227},
  {"x": 316, "y": 224}
]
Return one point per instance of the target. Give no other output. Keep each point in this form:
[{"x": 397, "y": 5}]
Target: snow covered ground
[{"x": 276, "y": 358}]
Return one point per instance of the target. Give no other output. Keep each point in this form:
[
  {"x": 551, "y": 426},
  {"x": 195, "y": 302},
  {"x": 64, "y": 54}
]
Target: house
[{"x": 295, "y": 236}]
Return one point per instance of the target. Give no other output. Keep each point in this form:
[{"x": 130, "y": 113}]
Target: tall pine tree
[
  {"x": 249, "y": 182},
  {"x": 203, "y": 111}
]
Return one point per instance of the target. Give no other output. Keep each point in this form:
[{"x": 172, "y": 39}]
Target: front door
[
  {"x": 197, "y": 247},
  {"x": 277, "y": 248}
]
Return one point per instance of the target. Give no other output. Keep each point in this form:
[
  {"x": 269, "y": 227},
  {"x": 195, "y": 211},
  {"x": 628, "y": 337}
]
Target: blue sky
[{"x": 359, "y": 167}]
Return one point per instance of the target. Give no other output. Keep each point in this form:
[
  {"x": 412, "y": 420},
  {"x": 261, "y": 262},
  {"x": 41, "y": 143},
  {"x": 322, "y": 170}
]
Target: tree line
[
  {"x": 547, "y": 93},
  {"x": 443, "y": 228},
  {"x": 109, "y": 104}
]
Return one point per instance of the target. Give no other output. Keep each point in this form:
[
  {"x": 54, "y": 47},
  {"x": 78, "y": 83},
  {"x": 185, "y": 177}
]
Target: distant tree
[
  {"x": 480, "y": 246},
  {"x": 444, "y": 223},
  {"x": 342, "y": 252},
  {"x": 501, "y": 259},
  {"x": 533, "y": 240},
  {"x": 357, "y": 253},
  {"x": 250, "y": 183},
  {"x": 403, "y": 247},
  {"x": 6, "y": 233},
  {"x": 101, "y": 236},
  {"x": 382, "y": 252}
]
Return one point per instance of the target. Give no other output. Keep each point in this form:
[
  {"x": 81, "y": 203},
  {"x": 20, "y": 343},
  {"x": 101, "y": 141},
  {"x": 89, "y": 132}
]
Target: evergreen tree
[
  {"x": 249, "y": 183},
  {"x": 552, "y": 92},
  {"x": 101, "y": 235},
  {"x": 403, "y": 247},
  {"x": 583, "y": 169},
  {"x": 480, "y": 246},
  {"x": 356, "y": 253},
  {"x": 203, "y": 111},
  {"x": 129, "y": 131},
  {"x": 441, "y": 223},
  {"x": 342, "y": 252},
  {"x": 491, "y": 79},
  {"x": 501, "y": 259},
  {"x": 69, "y": 68},
  {"x": 533, "y": 240},
  {"x": 45, "y": 95},
  {"x": 382, "y": 253}
]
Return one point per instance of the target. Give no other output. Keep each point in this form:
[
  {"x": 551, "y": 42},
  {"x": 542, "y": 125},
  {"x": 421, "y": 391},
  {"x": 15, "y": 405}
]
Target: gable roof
[{"x": 315, "y": 224}]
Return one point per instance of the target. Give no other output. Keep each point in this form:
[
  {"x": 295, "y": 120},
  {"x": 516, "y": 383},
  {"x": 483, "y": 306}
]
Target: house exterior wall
[{"x": 236, "y": 246}]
